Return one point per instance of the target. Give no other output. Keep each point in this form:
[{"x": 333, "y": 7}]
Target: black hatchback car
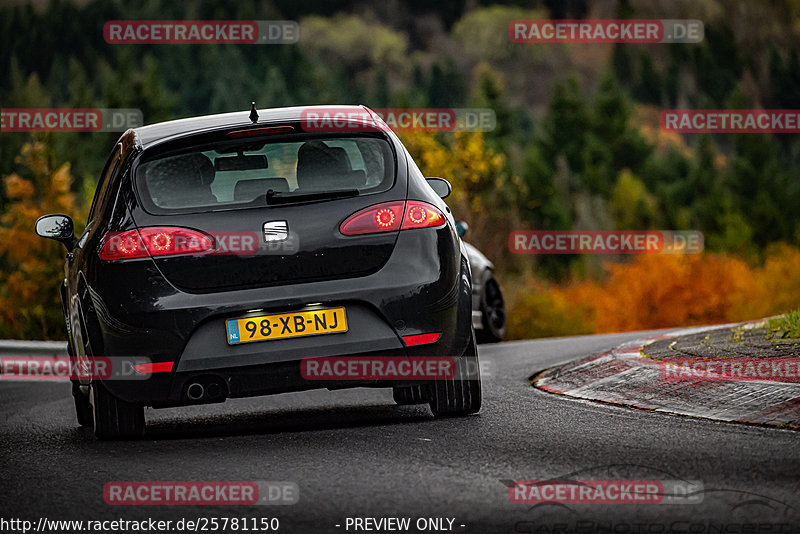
[{"x": 222, "y": 253}]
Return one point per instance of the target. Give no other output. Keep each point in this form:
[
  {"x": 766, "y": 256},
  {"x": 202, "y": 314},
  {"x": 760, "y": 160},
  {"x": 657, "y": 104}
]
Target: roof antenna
[{"x": 253, "y": 113}]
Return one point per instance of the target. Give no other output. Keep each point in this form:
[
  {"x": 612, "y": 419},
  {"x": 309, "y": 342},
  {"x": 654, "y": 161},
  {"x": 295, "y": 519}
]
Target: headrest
[
  {"x": 322, "y": 167},
  {"x": 181, "y": 181},
  {"x": 191, "y": 169}
]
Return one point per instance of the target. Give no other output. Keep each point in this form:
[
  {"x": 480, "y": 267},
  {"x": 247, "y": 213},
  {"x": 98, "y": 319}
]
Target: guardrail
[{"x": 13, "y": 347}]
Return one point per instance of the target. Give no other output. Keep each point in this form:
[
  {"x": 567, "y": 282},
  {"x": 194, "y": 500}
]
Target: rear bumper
[
  {"x": 424, "y": 287},
  {"x": 249, "y": 381}
]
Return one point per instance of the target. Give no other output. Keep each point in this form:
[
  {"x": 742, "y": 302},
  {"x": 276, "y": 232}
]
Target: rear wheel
[
  {"x": 112, "y": 418},
  {"x": 115, "y": 418},
  {"x": 83, "y": 408},
  {"x": 460, "y": 395}
]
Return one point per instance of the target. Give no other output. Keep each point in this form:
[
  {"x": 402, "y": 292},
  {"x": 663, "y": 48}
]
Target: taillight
[
  {"x": 385, "y": 217},
  {"x": 122, "y": 245},
  {"x": 421, "y": 215},
  {"x": 166, "y": 240},
  {"x": 154, "y": 241},
  {"x": 392, "y": 216}
]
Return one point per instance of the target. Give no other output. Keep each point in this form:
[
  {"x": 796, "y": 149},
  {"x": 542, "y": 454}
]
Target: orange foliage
[
  {"x": 29, "y": 299},
  {"x": 773, "y": 289},
  {"x": 539, "y": 310},
  {"x": 658, "y": 292}
]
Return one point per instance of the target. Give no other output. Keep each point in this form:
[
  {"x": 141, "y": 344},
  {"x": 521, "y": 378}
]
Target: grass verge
[{"x": 788, "y": 325}]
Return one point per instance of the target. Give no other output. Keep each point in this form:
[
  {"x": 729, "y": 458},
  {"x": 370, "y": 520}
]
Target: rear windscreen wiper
[{"x": 275, "y": 197}]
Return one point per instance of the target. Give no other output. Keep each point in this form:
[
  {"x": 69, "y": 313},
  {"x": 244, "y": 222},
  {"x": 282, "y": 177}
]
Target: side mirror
[
  {"x": 461, "y": 228},
  {"x": 58, "y": 227},
  {"x": 441, "y": 186}
]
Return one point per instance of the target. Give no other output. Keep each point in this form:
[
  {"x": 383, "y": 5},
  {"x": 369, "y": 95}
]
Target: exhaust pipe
[{"x": 195, "y": 391}]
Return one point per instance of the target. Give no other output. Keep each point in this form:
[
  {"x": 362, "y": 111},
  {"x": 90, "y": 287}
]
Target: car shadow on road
[{"x": 295, "y": 420}]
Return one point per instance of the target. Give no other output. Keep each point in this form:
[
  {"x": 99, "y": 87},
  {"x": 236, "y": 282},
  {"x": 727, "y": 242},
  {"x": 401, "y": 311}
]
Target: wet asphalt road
[{"x": 354, "y": 454}]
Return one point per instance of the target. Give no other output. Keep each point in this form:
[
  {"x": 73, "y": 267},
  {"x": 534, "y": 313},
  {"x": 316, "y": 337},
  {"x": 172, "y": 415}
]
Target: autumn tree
[
  {"x": 32, "y": 270},
  {"x": 483, "y": 192}
]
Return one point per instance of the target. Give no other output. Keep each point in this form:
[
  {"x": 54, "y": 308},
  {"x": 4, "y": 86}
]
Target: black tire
[
  {"x": 83, "y": 408},
  {"x": 493, "y": 313},
  {"x": 111, "y": 417},
  {"x": 115, "y": 418},
  {"x": 460, "y": 395},
  {"x": 410, "y": 395}
]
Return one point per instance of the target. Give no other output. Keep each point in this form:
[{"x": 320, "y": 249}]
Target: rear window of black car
[{"x": 235, "y": 175}]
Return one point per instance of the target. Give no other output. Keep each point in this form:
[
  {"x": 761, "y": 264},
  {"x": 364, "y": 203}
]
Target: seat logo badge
[{"x": 276, "y": 231}]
